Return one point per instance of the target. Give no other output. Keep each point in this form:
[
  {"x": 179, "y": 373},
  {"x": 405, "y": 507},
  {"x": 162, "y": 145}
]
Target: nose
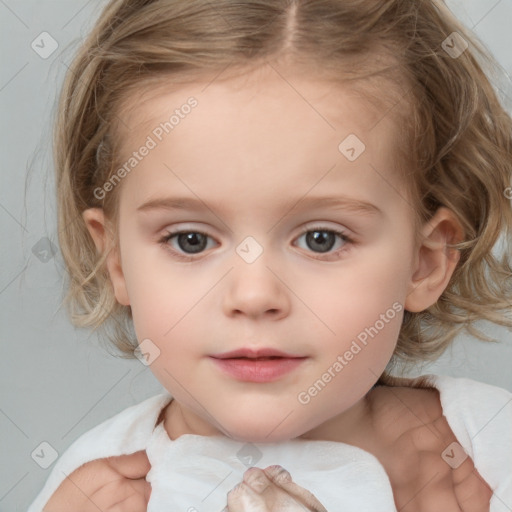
[{"x": 256, "y": 290}]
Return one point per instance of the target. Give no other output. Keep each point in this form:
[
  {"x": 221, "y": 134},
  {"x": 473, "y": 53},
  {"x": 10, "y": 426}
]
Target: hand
[
  {"x": 423, "y": 480},
  {"x": 113, "y": 484},
  {"x": 412, "y": 454},
  {"x": 271, "y": 490}
]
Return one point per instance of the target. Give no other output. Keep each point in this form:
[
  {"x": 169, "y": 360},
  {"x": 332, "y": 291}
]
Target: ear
[
  {"x": 435, "y": 262},
  {"x": 101, "y": 233}
]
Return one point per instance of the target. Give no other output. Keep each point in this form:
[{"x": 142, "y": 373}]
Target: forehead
[
  {"x": 264, "y": 131},
  {"x": 324, "y": 98}
]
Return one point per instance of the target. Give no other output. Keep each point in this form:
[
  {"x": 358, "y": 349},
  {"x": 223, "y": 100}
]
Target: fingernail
[{"x": 256, "y": 479}]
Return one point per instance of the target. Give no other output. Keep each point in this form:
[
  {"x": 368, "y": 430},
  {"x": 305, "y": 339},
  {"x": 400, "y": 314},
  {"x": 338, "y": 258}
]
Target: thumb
[
  {"x": 132, "y": 466},
  {"x": 283, "y": 479}
]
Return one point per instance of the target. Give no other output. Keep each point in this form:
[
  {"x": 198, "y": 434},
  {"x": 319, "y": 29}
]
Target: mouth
[
  {"x": 265, "y": 365},
  {"x": 258, "y": 358},
  {"x": 262, "y": 353}
]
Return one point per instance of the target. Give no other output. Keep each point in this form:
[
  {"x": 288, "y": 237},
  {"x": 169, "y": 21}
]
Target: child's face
[{"x": 251, "y": 155}]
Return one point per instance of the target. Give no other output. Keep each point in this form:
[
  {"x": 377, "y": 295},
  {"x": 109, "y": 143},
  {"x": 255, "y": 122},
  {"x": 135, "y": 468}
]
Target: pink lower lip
[{"x": 253, "y": 370}]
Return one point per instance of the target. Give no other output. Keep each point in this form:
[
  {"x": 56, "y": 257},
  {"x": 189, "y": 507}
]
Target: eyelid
[
  {"x": 342, "y": 233},
  {"x": 323, "y": 225},
  {"x": 310, "y": 226}
]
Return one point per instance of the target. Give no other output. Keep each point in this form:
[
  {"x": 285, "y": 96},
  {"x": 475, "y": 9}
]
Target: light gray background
[{"x": 56, "y": 381}]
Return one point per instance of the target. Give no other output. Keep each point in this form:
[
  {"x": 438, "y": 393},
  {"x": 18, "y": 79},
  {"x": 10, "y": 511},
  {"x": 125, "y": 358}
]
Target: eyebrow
[{"x": 334, "y": 202}]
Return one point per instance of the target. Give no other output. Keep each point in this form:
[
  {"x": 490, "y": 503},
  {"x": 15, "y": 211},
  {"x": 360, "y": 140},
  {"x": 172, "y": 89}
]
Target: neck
[
  {"x": 178, "y": 423},
  {"x": 348, "y": 427},
  {"x": 351, "y": 426}
]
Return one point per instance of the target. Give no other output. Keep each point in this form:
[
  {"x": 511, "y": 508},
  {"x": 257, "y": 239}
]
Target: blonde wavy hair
[{"x": 456, "y": 137}]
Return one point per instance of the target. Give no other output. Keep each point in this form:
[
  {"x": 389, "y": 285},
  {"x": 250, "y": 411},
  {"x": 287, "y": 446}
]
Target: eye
[
  {"x": 318, "y": 239},
  {"x": 322, "y": 240},
  {"x": 190, "y": 242}
]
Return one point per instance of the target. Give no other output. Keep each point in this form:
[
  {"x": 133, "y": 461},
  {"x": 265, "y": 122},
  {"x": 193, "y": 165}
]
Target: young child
[{"x": 258, "y": 132}]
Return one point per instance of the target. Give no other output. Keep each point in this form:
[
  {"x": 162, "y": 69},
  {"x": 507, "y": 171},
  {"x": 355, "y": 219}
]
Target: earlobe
[
  {"x": 101, "y": 234},
  {"x": 436, "y": 262}
]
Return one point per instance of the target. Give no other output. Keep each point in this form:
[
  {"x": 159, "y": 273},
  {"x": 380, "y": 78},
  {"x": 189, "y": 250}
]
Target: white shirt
[{"x": 194, "y": 473}]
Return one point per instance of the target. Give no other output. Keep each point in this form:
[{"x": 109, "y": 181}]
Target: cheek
[
  {"x": 157, "y": 295},
  {"x": 168, "y": 305},
  {"x": 358, "y": 312},
  {"x": 355, "y": 295}
]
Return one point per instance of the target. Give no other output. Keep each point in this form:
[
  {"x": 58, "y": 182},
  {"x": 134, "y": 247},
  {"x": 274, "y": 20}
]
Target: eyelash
[{"x": 165, "y": 239}]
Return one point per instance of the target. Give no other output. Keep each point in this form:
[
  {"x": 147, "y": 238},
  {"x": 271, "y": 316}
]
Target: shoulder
[
  {"x": 124, "y": 433},
  {"x": 427, "y": 467},
  {"x": 476, "y": 412}
]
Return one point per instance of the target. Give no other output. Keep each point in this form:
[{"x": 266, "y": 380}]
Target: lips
[
  {"x": 261, "y": 365},
  {"x": 263, "y": 353}
]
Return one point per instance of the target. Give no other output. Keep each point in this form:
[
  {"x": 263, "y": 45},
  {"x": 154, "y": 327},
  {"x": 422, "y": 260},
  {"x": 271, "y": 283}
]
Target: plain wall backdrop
[{"x": 56, "y": 381}]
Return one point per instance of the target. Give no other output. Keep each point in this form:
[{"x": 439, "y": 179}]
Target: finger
[
  {"x": 473, "y": 494},
  {"x": 121, "y": 496},
  {"x": 131, "y": 466},
  {"x": 243, "y": 499},
  {"x": 282, "y": 478},
  {"x": 277, "y": 474},
  {"x": 256, "y": 479},
  {"x": 141, "y": 487}
]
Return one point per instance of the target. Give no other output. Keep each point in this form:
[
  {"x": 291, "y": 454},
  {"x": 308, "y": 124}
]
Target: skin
[
  {"x": 251, "y": 149},
  {"x": 271, "y": 489}
]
